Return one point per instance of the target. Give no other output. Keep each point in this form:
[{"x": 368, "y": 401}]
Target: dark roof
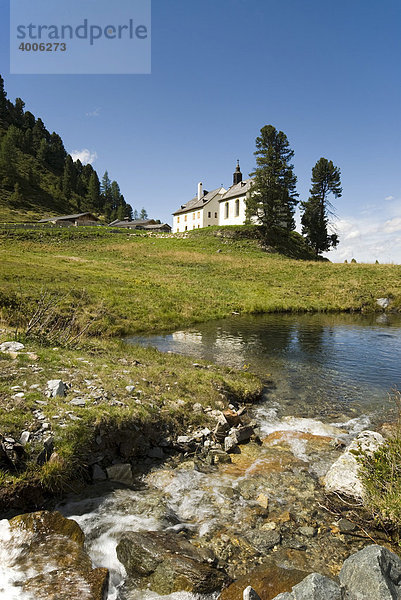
[
  {"x": 132, "y": 224},
  {"x": 239, "y": 189},
  {"x": 69, "y": 217},
  {"x": 157, "y": 226},
  {"x": 195, "y": 203}
]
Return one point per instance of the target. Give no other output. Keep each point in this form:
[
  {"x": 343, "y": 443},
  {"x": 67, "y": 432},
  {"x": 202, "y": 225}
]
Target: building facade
[
  {"x": 220, "y": 207},
  {"x": 202, "y": 211}
]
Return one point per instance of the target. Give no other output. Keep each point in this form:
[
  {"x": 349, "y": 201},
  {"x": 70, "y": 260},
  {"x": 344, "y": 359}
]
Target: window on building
[
  {"x": 237, "y": 207},
  {"x": 185, "y": 218},
  {"x": 193, "y": 216},
  {"x": 198, "y": 215},
  {"x": 186, "y": 227},
  {"x": 198, "y": 226},
  {"x": 215, "y": 215},
  {"x": 178, "y": 219},
  {"x": 209, "y": 214},
  {"x": 226, "y": 210}
]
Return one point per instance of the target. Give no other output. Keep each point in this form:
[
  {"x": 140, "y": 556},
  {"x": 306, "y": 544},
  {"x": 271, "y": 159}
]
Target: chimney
[{"x": 200, "y": 191}]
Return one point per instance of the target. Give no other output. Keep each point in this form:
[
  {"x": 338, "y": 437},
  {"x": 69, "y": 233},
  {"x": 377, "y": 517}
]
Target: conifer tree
[
  {"x": 326, "y": 180},
  {"x": 68, "y": 178},
  {"x": 93, "y": 195},
  {"x": 143, "y": 214},
  {"x": 18, "y": 113},
  {"x": 273, "y": 194},
  {"x": 42, "y": 153},
  {"x": 4, "y": 105}
]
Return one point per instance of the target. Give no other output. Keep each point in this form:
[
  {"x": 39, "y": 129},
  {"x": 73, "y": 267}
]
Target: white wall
[{"x": 232, "y": 219}]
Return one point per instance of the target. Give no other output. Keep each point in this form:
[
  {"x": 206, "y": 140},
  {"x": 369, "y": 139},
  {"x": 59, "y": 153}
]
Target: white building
[
  {"x": 220, "y": 207},
  {"x": 201, "y": 211}
]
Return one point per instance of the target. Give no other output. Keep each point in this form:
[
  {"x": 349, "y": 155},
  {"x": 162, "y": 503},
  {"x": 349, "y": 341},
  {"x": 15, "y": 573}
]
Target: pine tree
[
  {"x": 43, "y": 152},
  {"x": 135, "y": 215},
  {"x": 16, "y": 198},
  {"x": 68, "y": 178},
  {"x": 8, "y": 153},
  {"x": 18, "y": 113},
  {"x": 93, "y": 195},
  {"x": 4, "y": 106},
  {"x": 143, "y": 214},
  {"x": 56, "y": 153},
  {"x": 105, "y": 188},
  {"x": 326, "y": 180},
  {"x": 272, "y": 200}
]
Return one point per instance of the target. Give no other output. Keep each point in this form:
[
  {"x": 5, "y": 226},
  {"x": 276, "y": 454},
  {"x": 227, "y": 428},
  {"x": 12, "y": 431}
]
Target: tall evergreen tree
[
  {"x": 105, "y": 188},
  {"x": 143, "y": 214},
  {"x": 56, "y": 153},
  {"x": 43, "y": 152},
  {"x": 68, "y": 178},
  {"x": 92, "y": 201},
  {"x": 18, "y": 113},
  {"x": 326, "y": 180},
  {"x": 4, "y": 105},
  {"x": 273, "y": 194}
]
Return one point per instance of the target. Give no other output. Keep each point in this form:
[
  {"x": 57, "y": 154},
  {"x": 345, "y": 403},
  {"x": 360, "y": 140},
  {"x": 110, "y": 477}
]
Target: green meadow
[
  {"x": 132, "y": 282},
  {"x": 70, "y": 294}
]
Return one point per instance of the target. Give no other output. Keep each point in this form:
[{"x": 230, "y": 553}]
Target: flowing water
[{"x": 327, "y": 376}]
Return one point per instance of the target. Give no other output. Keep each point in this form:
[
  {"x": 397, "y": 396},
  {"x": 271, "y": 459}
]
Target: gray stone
[
  {"x": 284, "y": 596},
  {"x": 373, "y": 572},
  {"x": 120, "y": 473},
  {"x": 165, "y": 562},
  {"x": 230, "y": 443},
  {"x": 130, "y": 388},
  {"x": 383, "y": 302},
  {"x": 78, "y": 402},
  {"x": 250, "y": 594},
  {"x": 307, "y": 531},
  {"x": 243, "y": 434},
  {"x": 184, "y": 439},
  {"x": 25, "y": 437},
  {"x": 11, "y": 347},
  {"x": 317, "y": 587},
  {"x": 346, "y": 526},
  {"x": 56, "y": 387},
  {"x": 342, "y": 477},
  {"x": 156, "y": 453},
  {"x": 98, "y": 474}
]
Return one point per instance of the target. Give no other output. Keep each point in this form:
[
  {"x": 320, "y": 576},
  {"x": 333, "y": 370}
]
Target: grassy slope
[{"x": 148, "y": 283}]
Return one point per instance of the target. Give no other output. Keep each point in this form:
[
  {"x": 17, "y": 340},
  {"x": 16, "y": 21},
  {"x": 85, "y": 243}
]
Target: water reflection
[{"x": 328, "y": 365}]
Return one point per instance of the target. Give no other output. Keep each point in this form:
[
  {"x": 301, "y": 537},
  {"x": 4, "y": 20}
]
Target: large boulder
[
  {"x": 267, "y": 580},
  {"x": 52, "y": 557},
  {"x": 342, "y": 477},
  {"x": 373, "y": 572},
  {"x": 314, "y": 587},
  {"x": 167, "y": 563}
]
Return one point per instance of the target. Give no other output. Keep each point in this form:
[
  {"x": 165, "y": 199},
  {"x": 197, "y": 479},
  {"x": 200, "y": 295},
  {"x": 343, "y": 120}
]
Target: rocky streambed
[{"x": 256, "y": 514}]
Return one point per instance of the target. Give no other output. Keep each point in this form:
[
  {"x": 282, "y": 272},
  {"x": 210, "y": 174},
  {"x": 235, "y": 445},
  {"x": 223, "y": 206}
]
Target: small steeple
[{"x": 237, "y": 177}]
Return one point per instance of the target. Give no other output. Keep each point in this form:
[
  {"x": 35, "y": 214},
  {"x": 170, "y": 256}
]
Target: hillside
[
  {"x": 38, "y": 177},
  {"x": 131, "y": 282}
]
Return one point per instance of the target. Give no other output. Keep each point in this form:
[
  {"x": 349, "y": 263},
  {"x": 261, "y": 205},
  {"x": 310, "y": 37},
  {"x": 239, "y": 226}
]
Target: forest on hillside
[{"x": 38, "y": 176}]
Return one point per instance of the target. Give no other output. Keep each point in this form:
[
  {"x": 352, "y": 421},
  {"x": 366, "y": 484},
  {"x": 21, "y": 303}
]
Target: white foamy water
[
  {"x": 104, "y": 520},
  {"x": 11, "y": 573}
]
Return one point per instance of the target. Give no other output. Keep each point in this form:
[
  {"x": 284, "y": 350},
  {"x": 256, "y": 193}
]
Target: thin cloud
[
  {"x": 94, "y": 113},
  {"x": 85, "y": 156}
]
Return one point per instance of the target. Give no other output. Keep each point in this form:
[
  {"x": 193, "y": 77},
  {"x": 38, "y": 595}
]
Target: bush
[{"x": 381, "y": 475}]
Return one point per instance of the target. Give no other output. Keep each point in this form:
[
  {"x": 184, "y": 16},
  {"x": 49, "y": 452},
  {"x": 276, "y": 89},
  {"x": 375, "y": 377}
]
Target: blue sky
[{"x": 326, "y": 73}]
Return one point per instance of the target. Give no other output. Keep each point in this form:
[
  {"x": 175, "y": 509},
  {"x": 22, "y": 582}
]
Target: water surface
[{"x": 328, "y": 366}]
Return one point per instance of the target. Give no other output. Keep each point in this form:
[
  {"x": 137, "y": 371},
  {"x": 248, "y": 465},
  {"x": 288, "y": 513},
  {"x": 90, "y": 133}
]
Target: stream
[{"x": 327, "y": 378}]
